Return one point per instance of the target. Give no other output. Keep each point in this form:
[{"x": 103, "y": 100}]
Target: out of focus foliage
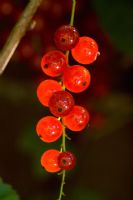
[
  {"x": 116, "y": 17},
  {"x": 7, "y": 192}
]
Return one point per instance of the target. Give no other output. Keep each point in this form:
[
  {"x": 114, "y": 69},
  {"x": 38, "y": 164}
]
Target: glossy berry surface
[
  {"x": 53, "y": 63},
  {"x": 49, "y": 160},
  {"x": 66, "y": 160},
  {"x": 77, "y": 119},
  {"x": 76, "y": 78},
  {"x": 66, "y": 37},
  {"x": 46, "y": 89},
  {"x": 86, "y": 50},
  {"x": 49, "y": 129},
  {"x": 61, "y": 103}
]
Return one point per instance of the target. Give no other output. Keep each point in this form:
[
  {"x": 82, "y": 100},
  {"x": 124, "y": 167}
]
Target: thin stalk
[
  {"x": 64, "y": 139},
  {"x": 63, "y": 145},
  {"x": 17, "y": 33},
  {"x": 73, "y": 12},
  {"x": 71, "y": 21},
  {"x": 62, "y": 185}
]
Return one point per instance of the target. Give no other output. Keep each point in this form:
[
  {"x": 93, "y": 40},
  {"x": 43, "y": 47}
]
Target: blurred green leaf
[
  {"x": 7, "y": 192},
  {"x": 117, "y": 19},
  {"x": 82, "y": 194},
  {"x": 118, "y": 112},
  {"x": 17, "y": 91}
]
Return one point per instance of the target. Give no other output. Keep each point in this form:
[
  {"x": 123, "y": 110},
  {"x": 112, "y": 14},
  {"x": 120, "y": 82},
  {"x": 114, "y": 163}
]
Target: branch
[{"x": 17, "y": 33}]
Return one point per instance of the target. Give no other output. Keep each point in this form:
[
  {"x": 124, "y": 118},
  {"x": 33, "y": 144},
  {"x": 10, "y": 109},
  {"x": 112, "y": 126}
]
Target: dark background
[{"x": 104, "y": 150}]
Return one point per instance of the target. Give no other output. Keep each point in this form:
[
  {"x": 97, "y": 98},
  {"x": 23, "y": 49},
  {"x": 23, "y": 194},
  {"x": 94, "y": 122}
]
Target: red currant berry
[
  {"x": 77, "y": 119},
  {"x": 76, "y": 78},
  {"x": 60, "y": 103},
  {"x": 46, "y": 89},
  {"x": 86, "y": 50},
  {"x": 49, "y": 129},
  {"x": 53, "y": 63},
  {"x": 49, "y": 160},
  {"x": 66, "y": 160},
  {"x": 66, "y": 37},
  {"x": 6, "y": 8},
  {"x": 26, "y": 50}
]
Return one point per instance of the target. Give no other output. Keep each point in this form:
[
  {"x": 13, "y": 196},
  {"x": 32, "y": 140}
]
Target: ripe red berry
[
  {"x": 77, "y": 119},
  {"x": 86, "y": 50},
  {"x": 60, "y": 103},
  {"x": 26, "y": 50},
  {"x": 46, "y": 89},
  {"x": 49, "y": 129},
  {"x": 49, "y": 160},
  {"x": 53, "y": 63},
  {"x": 6, "y": 8},
  {"x": 66, "y": 160},
  {"x": 76, "y": 78},
  {"x": 66, "y": 37}
]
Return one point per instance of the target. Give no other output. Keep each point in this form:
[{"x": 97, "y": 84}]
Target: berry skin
[
  {"x": 77, "y": 119},
  {"x": 66, "y": 160},
  {"x": 86, "y": 50},
  {"x": 61, "y": 103},
  {"x": 53, "y": 63},
  {"x": 76, "y": 78},
  {"x": 49, "y": 129},
  {"x": 49, "y": 160},
  {"x": 46, "y": 89},
  {"x": 66, "y": 37}
]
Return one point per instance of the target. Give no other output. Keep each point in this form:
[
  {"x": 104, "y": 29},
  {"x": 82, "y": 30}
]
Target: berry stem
[
  {"x": 64, "y": 139},
  {"x": 71, "y": 21},
  {"x": 73, "y": 12},
  {"x": 63, "y": 145},
  {"x": 62, "y": 185}
]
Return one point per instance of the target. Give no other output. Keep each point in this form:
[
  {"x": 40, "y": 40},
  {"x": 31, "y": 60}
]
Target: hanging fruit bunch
[{"x": 56, "y": 95}]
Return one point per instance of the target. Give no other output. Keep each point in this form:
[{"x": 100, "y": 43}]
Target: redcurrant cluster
[{"x": 61, "y": 103}]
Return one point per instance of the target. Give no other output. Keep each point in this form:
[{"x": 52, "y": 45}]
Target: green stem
[
  {"x": 63, "y": 145},
  {"x": 62, "y": 185},
  {"x": 67, "y": 55},
  {"x": 64, "y": 139},
  {"x": 73, "y": 12},
  {"x": 71, "y": 21}
]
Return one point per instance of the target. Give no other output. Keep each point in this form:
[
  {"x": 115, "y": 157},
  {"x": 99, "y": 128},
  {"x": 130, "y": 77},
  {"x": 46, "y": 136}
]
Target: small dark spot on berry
[
  {"x": 63, "y": 40},
  {"x": 46, "y": 65},
  {"x": 39, "y": 136},
  {"x": 64, "y": 162},
  {"x": 59, "y": 109},
  {"x": 84, "y": 83}
]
